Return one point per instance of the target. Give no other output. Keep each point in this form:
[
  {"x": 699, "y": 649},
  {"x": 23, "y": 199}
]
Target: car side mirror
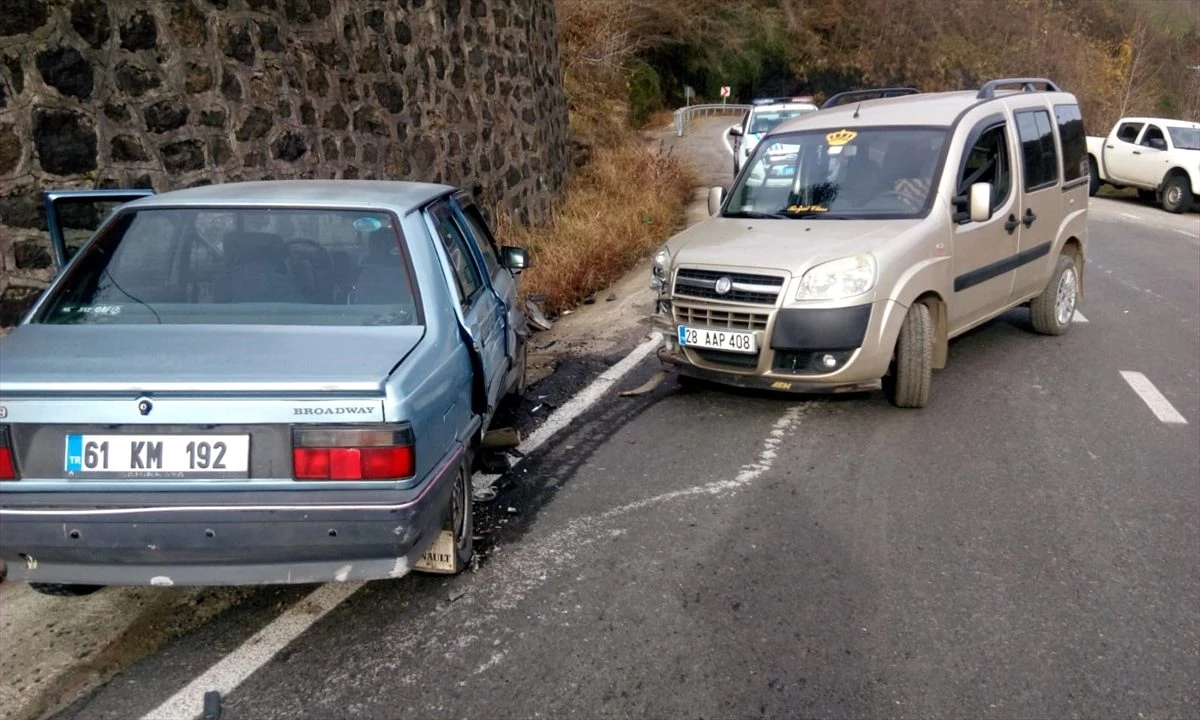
[
  {"x": 1158, "y": 143},
  {"x": 715, "y": 196},
  {"x": 735, "y": 130},
  {"x": 981, "y": 202},
  {"x": 514, "y": 258}
]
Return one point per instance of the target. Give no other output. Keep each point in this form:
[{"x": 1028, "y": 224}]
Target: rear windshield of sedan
[{"x": 241, "y": 266}]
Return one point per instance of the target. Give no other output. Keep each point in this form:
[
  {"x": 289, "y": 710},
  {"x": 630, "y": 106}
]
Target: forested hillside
[{"x": 1119, "y": 56}]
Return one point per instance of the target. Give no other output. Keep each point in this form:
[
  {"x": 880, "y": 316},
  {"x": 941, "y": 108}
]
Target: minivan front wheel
[
  {"x": 1051, "y": 312},
  {"x": 908, "y": 378}
]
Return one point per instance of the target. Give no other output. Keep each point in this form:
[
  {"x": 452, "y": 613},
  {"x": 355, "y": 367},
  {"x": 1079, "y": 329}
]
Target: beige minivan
[{"x": 859, "y": 239}]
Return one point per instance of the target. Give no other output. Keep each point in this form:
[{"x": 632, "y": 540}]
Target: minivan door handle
[
  {"x": 1029, "y": 217},
  {"x": 1011, "y": 224}
]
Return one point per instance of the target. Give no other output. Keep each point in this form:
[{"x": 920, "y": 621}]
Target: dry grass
[{"x": 626, "y": 202}]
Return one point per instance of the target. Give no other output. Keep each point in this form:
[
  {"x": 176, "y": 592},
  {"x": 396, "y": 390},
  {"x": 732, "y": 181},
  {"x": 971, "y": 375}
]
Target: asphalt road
[{"x": 1027, "y": 546}]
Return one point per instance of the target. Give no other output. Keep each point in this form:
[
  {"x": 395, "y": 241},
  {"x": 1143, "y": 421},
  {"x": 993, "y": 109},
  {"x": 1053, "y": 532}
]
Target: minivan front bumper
[
  {"x": 792, "y": 341},
  {"x": 226, "y": 540}
]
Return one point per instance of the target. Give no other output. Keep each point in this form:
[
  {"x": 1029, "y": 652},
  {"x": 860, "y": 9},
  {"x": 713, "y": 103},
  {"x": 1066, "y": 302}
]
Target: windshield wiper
[
  {"x": 757, "y": 215},
  {"x": 823, "y": 215}
]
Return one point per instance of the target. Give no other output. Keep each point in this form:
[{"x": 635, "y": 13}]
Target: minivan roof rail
[
  {"x": 867, "y": 94},
  {"x": 988, "y": 91}
]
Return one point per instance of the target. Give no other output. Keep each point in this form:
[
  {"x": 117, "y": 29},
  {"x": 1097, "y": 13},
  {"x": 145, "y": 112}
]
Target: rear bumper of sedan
[{"x": 225, "y": 541}]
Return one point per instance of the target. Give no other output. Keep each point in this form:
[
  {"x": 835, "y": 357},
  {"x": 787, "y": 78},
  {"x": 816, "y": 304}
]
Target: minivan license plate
[
  {"x": 157, "y": 456},
  {"x": 728, "y": 340}
]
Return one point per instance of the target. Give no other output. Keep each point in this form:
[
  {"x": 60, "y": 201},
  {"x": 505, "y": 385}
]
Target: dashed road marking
[
  {"x": 232, "y": 670},
  {"x": 1079, "y": 318},
  {"x": 1159, "y": 405}
]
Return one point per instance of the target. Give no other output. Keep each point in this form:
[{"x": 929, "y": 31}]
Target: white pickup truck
[{"x": 1160, "y": 158}]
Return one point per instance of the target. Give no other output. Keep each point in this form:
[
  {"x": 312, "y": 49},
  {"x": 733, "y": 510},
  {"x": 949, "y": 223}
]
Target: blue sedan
[{"x": 259, "y": 382}]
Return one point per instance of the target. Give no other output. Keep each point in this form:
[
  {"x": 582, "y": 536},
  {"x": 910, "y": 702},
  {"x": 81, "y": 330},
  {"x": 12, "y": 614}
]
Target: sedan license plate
[
  {"x": 158, "y": 456},
  {"x": 728, "y": 340}
]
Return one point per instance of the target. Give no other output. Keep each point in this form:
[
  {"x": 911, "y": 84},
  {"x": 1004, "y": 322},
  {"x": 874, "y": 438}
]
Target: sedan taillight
[
  {"x": 8, "y": 466},
  {"x": 353, "y": 453}
]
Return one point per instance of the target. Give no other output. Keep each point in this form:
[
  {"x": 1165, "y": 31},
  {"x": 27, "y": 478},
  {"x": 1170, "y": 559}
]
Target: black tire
[
  {"x": 1051, "y": 312},
  {"x": 59, "y": 590},
  {"x": 1093, "y": 177},
  {"x": 1146, "y": 196},
  {"x": 1177, "y": 193},
  {"x": 460, "y": 517},
  {"x": 908, "y": 379}
]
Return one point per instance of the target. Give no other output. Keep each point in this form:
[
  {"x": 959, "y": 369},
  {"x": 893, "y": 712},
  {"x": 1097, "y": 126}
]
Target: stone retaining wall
[{"x": 121, "y": 93}]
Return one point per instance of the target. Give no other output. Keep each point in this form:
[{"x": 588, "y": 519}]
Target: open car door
[{"x": 72, "y": 216}]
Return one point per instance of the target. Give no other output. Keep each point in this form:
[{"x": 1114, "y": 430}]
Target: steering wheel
[{"x": 316, "y": 283}]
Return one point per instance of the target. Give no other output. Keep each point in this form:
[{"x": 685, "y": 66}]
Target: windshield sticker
[
  {"x": 796, "y": 209},
  {"x": 92, "y": 309},
  {"x": 367, "y": 224},
  {"x": 841, "y": 137}
]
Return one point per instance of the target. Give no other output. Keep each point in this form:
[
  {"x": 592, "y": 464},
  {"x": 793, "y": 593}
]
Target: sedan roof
[{"x": 397, "y": 195}]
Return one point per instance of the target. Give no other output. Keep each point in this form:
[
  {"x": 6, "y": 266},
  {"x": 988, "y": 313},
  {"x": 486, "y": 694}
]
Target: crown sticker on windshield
[
  {"x": 367, "y": 224},
  {"x": 841, "y": 137}
]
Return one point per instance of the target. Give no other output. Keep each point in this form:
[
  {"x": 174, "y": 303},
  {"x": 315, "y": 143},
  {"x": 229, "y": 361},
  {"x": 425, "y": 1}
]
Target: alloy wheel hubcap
[{"x": 1064, "y": 304}]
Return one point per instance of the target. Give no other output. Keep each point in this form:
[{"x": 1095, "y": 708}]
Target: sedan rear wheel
[{"x": 461, "y": 518}]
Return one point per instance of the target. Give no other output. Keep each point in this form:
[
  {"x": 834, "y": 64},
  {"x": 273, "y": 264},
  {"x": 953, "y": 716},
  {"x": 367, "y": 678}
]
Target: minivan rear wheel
[
  {"x": 1051, "y": 312},
  {"x": 910, "y": 374}
]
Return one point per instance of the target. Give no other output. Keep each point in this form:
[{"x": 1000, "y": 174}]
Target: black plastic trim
[
  {"x": 998, "y": 268},
  {"x": 988, "y": 91},
  {"x": 811, "y": 329},
  {"x": 864, "y": 94}
]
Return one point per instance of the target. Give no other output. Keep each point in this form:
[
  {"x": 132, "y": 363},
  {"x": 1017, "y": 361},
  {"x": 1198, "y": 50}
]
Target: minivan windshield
[
  {"x": 838, "y": 174},
  {"x": 240, "y": 266}
]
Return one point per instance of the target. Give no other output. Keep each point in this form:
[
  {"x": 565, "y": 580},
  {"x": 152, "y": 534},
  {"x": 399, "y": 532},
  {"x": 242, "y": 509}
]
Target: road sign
[{"x": 724, "y": 91}]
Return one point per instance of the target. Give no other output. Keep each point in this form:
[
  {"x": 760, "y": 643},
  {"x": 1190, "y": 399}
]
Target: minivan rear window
[
  {"x": 1037, "y": 148},
  {"x": 240, "y": 266},
  {"x": 1074, "y": 141}
]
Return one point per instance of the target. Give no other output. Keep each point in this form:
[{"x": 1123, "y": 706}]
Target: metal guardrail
[{"x": 684, "y": 114}]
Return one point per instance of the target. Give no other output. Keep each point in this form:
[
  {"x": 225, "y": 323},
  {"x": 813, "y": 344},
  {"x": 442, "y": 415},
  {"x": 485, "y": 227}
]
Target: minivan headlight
[
  {"x": 661, "y": 269},
  {"x": 838, "y": 279}
]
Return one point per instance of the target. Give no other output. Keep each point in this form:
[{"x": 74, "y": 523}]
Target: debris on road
[
  {"x": 647, "y": 386},
  {"x": 537, "y": 318},
  {"x": 212, "y": 705},
  {"x": 505, "y": 437},
  {"x": 456, "y": 593}
]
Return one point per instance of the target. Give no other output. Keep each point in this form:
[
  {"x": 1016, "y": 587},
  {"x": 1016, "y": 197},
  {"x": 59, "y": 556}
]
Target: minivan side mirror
[
  {"x": 715, "y": 196},
  {"x": 735, "y": 130},
  {"x": 981, "y": 201},
  {"x": 514, "y": 258}
]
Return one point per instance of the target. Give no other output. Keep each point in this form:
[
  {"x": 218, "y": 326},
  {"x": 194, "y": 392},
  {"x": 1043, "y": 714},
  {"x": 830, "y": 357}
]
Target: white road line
[
  {"x": 1079, "y": 318},
  {"x": 1185, "y": 232},
  {"x": 725, "y": 140},
  {"x": 233, "y": 669},
  {"x": 1159, "y": 405},
  {"x": 1131, "y": 216},
  {"x": 579, "y": 404}
]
